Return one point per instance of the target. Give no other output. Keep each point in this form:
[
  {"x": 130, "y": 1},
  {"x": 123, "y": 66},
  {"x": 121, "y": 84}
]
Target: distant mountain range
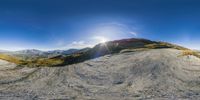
[
  {"x": 61, "y": 52},
  {"x": 35, "y": 52},
  {"x": 31, "y": 54},
  {"x": 30, "y": 51},
  {"x": 39, "y": 52}
]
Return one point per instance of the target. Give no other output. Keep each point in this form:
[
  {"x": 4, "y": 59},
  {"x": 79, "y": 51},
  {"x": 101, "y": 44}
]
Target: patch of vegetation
[
  {"x": 190, "y": 53},
  {"x": 134, "y": 50},
  {"x": 11, "y": 59},
  {"x": 45, "y": 62},
  {"x": 159, "y": 45},
  {"x": 156, "y": 46},
  {"x": 31, "y": 62}
]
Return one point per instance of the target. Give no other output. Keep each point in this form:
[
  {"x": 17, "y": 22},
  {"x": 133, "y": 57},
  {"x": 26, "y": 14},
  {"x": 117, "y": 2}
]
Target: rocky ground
[{"x": 160, "y": 74}]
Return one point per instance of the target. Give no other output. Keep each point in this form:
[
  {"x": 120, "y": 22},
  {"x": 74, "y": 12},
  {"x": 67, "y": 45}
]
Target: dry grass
[
  {"x": 33, "y": 62},
  {"x": 151, "y": 46},
  {"x": 44, "y": 62},
  {"x": 133, "y": 50},
  {"x": 164, "y": 45},
  {"x": 190, "y": 53},
  {"x": 48, "y": 62},
  {"x": 11, "y": 59}
]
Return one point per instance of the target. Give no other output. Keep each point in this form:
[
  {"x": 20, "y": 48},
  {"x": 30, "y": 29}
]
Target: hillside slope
[
  {"x": 150, "y": 74},
  {"x": 35, "y": 58}
]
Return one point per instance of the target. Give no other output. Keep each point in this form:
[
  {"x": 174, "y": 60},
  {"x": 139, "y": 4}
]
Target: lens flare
[{"x": 101, "y": 39}]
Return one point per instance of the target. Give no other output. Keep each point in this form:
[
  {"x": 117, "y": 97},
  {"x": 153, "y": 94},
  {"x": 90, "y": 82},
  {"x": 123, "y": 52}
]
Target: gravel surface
[{"x": 159, "y": 74}]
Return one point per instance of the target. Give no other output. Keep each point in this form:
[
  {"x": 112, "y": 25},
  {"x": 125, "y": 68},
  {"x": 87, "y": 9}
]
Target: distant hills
[
  {"x": 38, "y": 52},
  {"x": 34, "y": 53}
]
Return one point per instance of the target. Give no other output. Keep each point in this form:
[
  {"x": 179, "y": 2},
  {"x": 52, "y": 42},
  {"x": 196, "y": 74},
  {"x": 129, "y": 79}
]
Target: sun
[{"x": 101, "y": 39}]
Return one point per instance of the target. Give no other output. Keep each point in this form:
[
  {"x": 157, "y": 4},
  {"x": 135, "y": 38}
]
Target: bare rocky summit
[{"x": 157, "y": 74}]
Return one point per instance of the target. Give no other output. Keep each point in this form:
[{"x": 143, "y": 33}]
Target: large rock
[
  {"x": 153, "y": 74},
  {"x": 4, "y": 65}
]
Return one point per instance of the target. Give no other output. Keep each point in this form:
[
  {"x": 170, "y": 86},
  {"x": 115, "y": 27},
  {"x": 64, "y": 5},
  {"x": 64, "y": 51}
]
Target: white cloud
[
  {"x": 78, "y": 42},
  {"x": 79, "y": 45},
  {"x": 133, "y": 33}
]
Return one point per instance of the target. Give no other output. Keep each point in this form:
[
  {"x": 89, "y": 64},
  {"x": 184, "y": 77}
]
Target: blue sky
[{"x": 64, "y": 24}]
